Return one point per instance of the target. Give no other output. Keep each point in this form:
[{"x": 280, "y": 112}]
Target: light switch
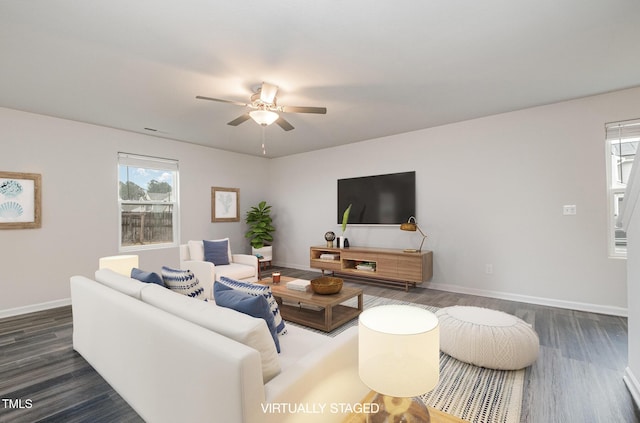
[{"x": 569, "y": 210}]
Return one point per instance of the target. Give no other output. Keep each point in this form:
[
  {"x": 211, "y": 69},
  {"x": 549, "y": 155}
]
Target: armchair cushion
[
  {"x": 253, "y": 305},
  {"x": 217, "y": 252}
]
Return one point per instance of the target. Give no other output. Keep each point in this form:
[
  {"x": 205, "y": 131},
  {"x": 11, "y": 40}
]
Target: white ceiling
[{"x": 380, "y": 67}]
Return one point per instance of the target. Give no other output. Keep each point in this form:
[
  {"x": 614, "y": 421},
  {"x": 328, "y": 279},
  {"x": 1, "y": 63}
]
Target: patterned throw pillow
[
  {"x": 253, "y": 305},
  {"x": 183, "y": 282},
  {"x": 257, "y": 289}
]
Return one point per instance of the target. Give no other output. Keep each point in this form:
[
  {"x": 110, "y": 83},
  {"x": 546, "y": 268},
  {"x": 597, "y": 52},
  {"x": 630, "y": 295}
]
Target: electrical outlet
[
  {"x": 488, "y": 269},
  {"x": 569, "y": 210}
]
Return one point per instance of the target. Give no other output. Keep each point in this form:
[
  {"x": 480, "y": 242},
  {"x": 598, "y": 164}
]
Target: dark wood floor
[{"x": 578, "y": 377}]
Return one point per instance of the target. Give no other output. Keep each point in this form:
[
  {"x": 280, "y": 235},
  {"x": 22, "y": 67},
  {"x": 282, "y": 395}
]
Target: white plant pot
[{"x": 266, "y": 252}]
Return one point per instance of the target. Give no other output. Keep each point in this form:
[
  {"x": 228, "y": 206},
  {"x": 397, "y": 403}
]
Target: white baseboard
[
  {"x": 551, "y": 302},
  {"x": 633, "y": 385},
  {"x": 34, "y": 307}
]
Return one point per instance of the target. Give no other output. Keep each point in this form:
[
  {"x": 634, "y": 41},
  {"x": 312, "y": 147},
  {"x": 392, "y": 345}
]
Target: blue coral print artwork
[{"x": 16, "y": 200}]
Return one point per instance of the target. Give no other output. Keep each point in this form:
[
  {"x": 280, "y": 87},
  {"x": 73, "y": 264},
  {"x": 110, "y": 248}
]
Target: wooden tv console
[{"x": 389, "y": 265}]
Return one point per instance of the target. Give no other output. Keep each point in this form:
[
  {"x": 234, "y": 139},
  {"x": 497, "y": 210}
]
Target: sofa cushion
[
  {"x": 217, "y": 252},
  {"x": 183, "y": 282},
  {"x": 235, "y": 271},
  {"x": 240, "y": 327},
  {"x": 253, "y": 305},
  {"x": 148, "y": 277},
  {"x": 119, "y": 282},
  {"x": 257, "y": 289},
  {"x": 196, "y": 249}
]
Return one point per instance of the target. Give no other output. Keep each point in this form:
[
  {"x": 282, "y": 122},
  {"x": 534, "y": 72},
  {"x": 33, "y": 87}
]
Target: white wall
[
  {"x": 78, "y": 163},
  {"x": 489, "y": 191}
]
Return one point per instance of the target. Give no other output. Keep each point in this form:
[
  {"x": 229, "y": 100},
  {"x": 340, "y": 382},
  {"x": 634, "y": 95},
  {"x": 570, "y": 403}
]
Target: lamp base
[
  {"x": 411, "y": 250},
  {"x": 399, "y": 410}
]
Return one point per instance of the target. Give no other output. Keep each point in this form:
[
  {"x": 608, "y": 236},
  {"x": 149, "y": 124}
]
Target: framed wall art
[
  {"x": 225, "y": 204},
  {"x": 20, "y": 200}
]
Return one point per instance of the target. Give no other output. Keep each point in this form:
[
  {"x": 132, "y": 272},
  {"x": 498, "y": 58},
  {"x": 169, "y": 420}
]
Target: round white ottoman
[{"x": 487, "y": 338}]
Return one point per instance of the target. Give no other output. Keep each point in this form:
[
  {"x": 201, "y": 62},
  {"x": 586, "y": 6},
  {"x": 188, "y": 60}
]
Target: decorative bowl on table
[{"x": 326, "y": 285}]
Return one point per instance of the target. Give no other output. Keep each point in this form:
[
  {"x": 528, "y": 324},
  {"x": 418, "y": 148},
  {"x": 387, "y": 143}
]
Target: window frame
[
  {"x": 155, "y": 163},
  {"x": 617, "y": 132}
]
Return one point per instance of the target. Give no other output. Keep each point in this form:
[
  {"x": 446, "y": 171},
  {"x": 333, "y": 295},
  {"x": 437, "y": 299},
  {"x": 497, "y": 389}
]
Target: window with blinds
[
  {"x": 622, "y": 144},
  {"x": 148, "y": 202}
]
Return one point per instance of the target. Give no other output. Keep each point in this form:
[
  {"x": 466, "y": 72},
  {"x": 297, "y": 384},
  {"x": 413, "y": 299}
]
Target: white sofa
[
  {"x": 175, "y": 358},
  {"x": 242, "y": 267}
]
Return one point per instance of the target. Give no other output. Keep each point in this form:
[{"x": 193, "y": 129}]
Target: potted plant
[
  {"x": 259, "y": 220},
  {"x": 343, "y": 242}
]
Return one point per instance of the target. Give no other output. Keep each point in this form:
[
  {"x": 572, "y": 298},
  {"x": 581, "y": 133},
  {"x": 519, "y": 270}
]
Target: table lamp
[
  {"x": 119, "y": 264},
  {"x": 399, "y": 358},
  {"x": 412, "y": 227}
]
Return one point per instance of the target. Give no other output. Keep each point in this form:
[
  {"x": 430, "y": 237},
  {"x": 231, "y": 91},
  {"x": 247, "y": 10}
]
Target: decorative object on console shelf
[
  {"x": 326, "y": 285},
  {"x": 412, "y": 227},
  {"x": 225, "y": 204},
  {"x": 343, "y": 242},
  {"x": 329, "y": 256},
  {"x": 368, "y": 266},
  {"x": 399, "y": 358},
  {"x": 329, "y": 237}
]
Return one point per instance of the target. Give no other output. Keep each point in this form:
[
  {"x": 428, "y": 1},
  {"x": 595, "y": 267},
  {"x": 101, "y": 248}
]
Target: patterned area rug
[{"x": 472, "y": 393}]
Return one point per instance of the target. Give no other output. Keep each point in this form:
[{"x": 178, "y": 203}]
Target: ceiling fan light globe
[{"x": 264, "y": 117}]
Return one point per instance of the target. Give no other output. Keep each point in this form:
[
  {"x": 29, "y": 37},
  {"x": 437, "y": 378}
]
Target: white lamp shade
[
  {"x": 264, "y": 117},
  {"x": 120, "y": 264},
  {"x": 399, "y": 350}
]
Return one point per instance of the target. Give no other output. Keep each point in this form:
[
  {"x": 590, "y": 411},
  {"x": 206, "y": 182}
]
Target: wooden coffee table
[{"x": 323, "y": 312}]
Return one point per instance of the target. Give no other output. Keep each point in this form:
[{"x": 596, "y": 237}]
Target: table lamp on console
[
  {"x": 399, "y": 358},
  {"x": 412, "y": 227}
]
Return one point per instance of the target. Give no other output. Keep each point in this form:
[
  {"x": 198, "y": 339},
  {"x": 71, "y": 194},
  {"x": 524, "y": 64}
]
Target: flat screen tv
[{"x": 378, "y": 200}]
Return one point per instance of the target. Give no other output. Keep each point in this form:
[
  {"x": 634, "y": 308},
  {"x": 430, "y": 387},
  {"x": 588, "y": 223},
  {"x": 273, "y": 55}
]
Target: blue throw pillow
[
  {"x": 148, "y": 277},
  {"x": 217, "y": 252},
  {"x": 253, "y": 305},
  {"x": 258, "y": 289}
]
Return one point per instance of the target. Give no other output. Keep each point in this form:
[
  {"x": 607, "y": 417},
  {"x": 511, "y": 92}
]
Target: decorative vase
[{"x": 343, "y": 242}]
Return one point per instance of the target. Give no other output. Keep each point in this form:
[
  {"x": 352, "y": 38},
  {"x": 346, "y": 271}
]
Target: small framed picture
[
  {"x": 225, "y": 204},
  {"x": 20, "y": 198}
]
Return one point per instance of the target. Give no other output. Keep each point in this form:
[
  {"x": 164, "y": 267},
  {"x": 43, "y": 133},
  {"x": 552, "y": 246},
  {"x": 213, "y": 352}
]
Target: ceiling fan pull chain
[{"x": 264, "y": 149}]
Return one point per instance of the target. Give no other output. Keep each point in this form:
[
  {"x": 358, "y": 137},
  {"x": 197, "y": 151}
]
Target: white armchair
[{"x": 241, "y": 266}]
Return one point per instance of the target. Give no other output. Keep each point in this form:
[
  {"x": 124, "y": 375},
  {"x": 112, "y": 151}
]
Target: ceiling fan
[{"x": 265, "y": 108}]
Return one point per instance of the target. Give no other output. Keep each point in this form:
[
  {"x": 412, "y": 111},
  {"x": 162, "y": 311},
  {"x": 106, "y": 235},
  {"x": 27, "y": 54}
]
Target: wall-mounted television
[{"x": 378, "y": 200}]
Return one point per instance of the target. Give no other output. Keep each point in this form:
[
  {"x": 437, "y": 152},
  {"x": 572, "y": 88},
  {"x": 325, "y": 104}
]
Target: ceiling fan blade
[
  {"x": 297, "y": 109},
  {"x": 282, "y": 123},
  {"x": 268, "y": 92},
  {"x": 237, "y": 121},
  {"x": 237, "y": 103}
]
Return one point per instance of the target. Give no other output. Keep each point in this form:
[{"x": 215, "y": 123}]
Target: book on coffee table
[{"x": 299, "y": 285}]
